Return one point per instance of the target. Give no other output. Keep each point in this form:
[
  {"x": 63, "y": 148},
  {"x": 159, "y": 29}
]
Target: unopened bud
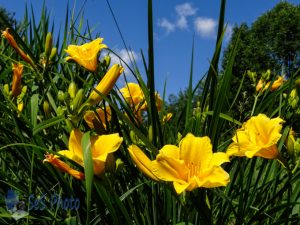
[
  {"x": 252, "y": 76},
  {"x": 293, "y": 99},
  {"x": 290, "y": 142},
  {"x": 133, "y": 137},
  {"x": 266, "y": 76},
  {"x": 77, "y": 100},
  {"x": 6, "y": 89},
  {"x": 53, "y": 53},
  {"x": 119, "y": 165},
  {"x": 46, "y": 108},
  {"x": 60, "y": 111},
  {"x": 48, "y": 44},
  {"x": 61, "y": 96},
  {"x": 72, "y": 89},
  {"x": 106, "y": 60}
]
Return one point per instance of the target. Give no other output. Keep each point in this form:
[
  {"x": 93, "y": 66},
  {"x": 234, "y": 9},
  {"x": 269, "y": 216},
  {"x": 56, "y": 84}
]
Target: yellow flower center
[{"x": 194, "y": 170}]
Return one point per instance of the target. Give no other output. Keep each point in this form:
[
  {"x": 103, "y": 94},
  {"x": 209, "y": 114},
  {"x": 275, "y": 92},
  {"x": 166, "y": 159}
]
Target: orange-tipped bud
[
  {"x": 62, "y": 166},
  {"x": 17, "y": 75},
  {"x": 6, "y": 34}
]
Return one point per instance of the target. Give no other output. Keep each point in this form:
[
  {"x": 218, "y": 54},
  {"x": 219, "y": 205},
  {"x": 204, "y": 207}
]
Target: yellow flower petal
[
  {"x": 86, "y": 55},
  {"x": 258, "y": 137},
  {"x": 75, "y": 145},
  {"x": 106, "y": 84},
  {"x": 105, "y": 144},
  {"x": 196, "y": 150},
  {"x": 142, "y": 161}
]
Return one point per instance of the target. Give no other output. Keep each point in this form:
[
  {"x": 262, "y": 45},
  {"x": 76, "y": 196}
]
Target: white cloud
[
  {"x": 182, "y": 22},
  {"x": 185, "y": 10},
  {"x": 205, "y": 27},
  {"x": 167, "y": 25}
]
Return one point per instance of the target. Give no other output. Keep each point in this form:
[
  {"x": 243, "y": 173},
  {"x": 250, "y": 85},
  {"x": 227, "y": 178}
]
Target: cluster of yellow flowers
[
  {"x": 190, "y": 165},
  {"x": 193, "y": 164}
]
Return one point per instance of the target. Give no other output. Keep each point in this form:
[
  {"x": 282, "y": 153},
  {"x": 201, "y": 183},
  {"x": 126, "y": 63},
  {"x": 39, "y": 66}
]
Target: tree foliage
[{"x": 271, "y": 42}]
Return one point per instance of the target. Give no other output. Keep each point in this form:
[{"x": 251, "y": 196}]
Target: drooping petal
[
  {"x": 214, "y": 177},
  {"x": 168, "y": 157},
  {"x": 75, "y": 145},
  {"x": 164, "y": 170},
  {"x": 62, "y": 166},
  {"x": 219, "y": 158},
  {"x": 142, "y": 161},
  {"x": 105, "y": 144},
  {"x": 268, "y": 153}
]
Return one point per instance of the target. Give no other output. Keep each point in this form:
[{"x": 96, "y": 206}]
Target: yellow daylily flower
[
  {"x": 7, "y": 35},
  {"x": 133, "y": 94},
  {"x": 91, "y": 118},
  {"x": 189, "y": 166},
  {"x": 86, "y": 55},
  {"x": 101, "y": 146},
  {"x": 277, "y": 83},
  {"x": 17, "y": 75},
  {"x": 62, "y": 166},
  {"x": 106, "y": 84},
  {"x": 167, "y": 117},
  {"x": 257, "y": 137}
]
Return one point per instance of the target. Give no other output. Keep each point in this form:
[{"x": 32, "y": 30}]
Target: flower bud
[
  {"x": 106, "y": 84},
  {"x": 266, "y": 76},
  {"x": 119, "y": 165},
  {"x": 106, "y": 60},
  {"x": 60, "y": 111},
  {"x": 252, "y": 76},
  {"x": 293, "y": 99},
  {"x": 48, "y": 44},
  {"x": 72, "y": 89},
  {"x": 77, "y": 100},
  {"x": 20, "y": 106},
  {"x": 53, "y": 53},
  {"x": 61, "y": 96},
  {"x": 6, "y": 89},
  {"x": 290, "y": 142},
  {"x": 46, "y": 108},
  {"x": 133, "y": 137}
]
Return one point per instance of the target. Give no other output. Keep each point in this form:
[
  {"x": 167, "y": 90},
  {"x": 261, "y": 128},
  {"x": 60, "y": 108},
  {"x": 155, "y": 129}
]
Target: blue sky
[{"x": 175, "y": 23}]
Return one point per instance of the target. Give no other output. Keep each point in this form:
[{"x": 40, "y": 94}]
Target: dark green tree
[
  {"x": 271, "y": 42},
  {"x": 9, "y": 17}
]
